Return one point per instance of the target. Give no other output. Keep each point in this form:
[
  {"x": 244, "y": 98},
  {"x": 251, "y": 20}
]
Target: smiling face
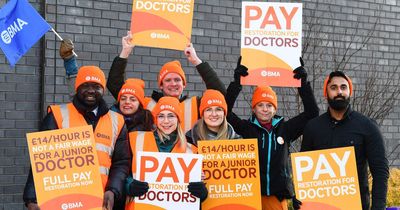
[
  {"x": 90, "y": 93},
  {"x": 128, "y": 104},
  {"x": 264, "y": 111},
  {"x": 172, "y": 85},
  {"x": 214, "y": 117},
  {"x": 167, "y": 122}
]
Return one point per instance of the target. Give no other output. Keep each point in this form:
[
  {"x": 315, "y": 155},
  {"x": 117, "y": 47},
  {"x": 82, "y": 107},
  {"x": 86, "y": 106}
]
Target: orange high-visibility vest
[
  {"x": 145, "y": 141},
  {"x": 189, "y": 108},
  {"x": 106, "y": 133}
]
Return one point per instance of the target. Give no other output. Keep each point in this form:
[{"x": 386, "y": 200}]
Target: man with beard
[
  {"x": 112, "y": 147},
  {"x": 340, "y": 126}
]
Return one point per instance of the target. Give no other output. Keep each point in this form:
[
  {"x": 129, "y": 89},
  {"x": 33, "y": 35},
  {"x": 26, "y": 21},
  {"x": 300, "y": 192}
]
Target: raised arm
[
  {"x": 116, "y": 76},
  {"x": 207, "y": 73}
]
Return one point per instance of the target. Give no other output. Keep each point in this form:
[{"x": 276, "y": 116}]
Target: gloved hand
[
  {"x": 300, "y": 73},
  {"x": 198, "y": 189},
  {"x": 240, "y": 70},
  {"x": 296, "y": 203},
  {"x": 138, "y": 188},
  {"x": 66, "y": 49},
  {"x": 108, "y": 200}
]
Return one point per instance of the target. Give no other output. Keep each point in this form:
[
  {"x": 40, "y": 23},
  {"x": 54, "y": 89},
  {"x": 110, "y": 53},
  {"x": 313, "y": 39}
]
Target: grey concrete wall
[{"x": 96, "y": 27}]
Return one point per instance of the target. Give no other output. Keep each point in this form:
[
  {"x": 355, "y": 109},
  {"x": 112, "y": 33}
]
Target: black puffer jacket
[
  {"x": 273, "y": 146},
  {"x": 324, "y": 132},
  {"x": 121, "y": 160}
]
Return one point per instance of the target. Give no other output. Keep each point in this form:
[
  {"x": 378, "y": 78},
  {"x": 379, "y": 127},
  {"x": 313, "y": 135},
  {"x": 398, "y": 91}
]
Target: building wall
[{"x": 96, "y": 27}]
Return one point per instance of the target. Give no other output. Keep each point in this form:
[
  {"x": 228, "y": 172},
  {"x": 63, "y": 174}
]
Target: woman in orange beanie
[
  {"x": 213, "y": 124},
  {"x": 130, "y": 102},
  {"x": 167, "y": 137},
  {"x": 274, "y": 135}
]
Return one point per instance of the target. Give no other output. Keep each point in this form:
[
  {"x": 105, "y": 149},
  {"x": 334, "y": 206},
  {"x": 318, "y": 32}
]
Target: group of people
[{"x": 172, "y": 122}]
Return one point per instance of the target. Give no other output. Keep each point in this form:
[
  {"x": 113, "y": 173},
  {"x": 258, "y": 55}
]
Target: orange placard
[
  {"x": 271, "y": 42},
  {"x": 327, "y": 179},
  {"x": 162, "y": 24},
  {"x": 66, "y": 169},
  {"x": 232, "y": 174}
]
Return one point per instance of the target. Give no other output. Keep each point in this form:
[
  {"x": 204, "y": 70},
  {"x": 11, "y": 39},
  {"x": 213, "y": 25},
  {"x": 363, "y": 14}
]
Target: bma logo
[
  {"x": 166, "y": 106},
  {"x": 216, "y": 101},
  {"x": 127, "y": 90},
  {"x": 92, "y": 78},
  {"x": 266, "y": 95},
  {"x": 270, "y": 74},
  {"x": 74, "y": 205},
  {"x": 163, "y": 73},
  {"x": 12, "y": 30}
]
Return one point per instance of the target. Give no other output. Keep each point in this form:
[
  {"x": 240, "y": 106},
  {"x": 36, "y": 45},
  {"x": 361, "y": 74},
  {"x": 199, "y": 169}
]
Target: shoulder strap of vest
[
  {"x": 150, "y": 103},
  {"x": 189, "y": 107},
  {"x": 61, "y": 114},
  {"x": 117, "y": 122}
]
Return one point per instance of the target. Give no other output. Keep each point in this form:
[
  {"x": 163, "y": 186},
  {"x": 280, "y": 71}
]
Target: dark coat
[
  {"x": 116, "y": 79},
  {"x": 356, "y": 130},
  {"x": 273, "y": 154}
]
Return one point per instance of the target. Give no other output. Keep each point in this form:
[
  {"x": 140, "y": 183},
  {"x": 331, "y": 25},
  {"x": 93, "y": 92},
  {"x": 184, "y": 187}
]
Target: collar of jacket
[
  {"x": 275, "y": 120},
  {"x": 347, "y": 115},
  {"x": 103, "y": 109},
  {"x": 157, "y": 95}
]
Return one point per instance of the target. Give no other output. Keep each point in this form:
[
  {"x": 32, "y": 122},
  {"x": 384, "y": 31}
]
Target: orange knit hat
[
  {"x": 133, "y": 87},
  {"x": 171, "y": 67},
  {"x": 337, "y": 74},
  {"x": 266, "y": 94},
  {"x": 90, "y": 74},
  {"x": 212, "y": 98},
  {"x": 168, "y": 103}
]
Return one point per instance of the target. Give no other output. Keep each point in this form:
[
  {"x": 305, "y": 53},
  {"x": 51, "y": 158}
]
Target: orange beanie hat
[
  {"x": 133, "y": 87},
  {"x": 168, "y": 103},
  {"x": 337, "y": 74},
  {"x": 212, "y": 98},
  {"x": 90, "y": 74},
  {"x": 171, "y": 67},
  {"x": 266, "y": 94}
]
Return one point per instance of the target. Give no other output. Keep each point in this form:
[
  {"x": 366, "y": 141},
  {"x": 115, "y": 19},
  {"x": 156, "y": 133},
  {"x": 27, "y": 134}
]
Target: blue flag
[{"x": 21, "y": 27}]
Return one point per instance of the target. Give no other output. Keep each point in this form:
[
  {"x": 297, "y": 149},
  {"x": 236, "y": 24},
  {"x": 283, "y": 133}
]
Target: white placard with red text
[{"x": 168, "y": 175}]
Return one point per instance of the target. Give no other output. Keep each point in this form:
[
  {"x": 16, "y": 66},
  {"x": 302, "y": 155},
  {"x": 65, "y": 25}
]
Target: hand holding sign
[
  {"x": 138, "y": 188},
  {"x": 301, "y": 73},
  {"x": 198, "y": 189},
  {"x": 240, "y": 70},
  {"x": 108, "y": 200},
  {"x": 191, "y": 55},
  {"x": 127, "y": 45}
]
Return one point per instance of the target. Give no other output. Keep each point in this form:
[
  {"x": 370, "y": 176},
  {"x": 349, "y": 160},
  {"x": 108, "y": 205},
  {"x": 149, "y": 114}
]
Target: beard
[{"x": 339, "y": 103}]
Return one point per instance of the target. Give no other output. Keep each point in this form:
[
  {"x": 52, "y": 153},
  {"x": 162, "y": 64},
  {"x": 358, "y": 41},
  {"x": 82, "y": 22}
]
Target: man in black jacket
[
  {"x": 340, "y": 126},
  {"x": 88, "y": 102},
  {"x": 274, "y": 134}
]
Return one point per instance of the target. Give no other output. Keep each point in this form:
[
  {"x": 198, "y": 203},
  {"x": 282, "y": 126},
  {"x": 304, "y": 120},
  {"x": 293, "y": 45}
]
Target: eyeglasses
[{"x": 170, "y": 117}]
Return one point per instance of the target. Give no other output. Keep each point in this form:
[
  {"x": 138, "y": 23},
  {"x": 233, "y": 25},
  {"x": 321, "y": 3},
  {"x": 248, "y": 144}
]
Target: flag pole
[{"x": 60, "y": 38}]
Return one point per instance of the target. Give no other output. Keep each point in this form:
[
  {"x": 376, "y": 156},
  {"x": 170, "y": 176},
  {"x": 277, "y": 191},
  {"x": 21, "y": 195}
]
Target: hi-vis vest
[
  {"x": 106, "y": 133},
  {"x": 190, "y": 111},
  {"x": 145, "y": 141}
]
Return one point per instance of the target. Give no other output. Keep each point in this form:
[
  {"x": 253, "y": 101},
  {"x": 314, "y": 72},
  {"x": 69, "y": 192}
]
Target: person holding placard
[
  {"x": 274, "y": 134},
  {"x": 171, "y": 80},
  {"x": 340, "y": 126},
  {"x": 168, "y": 137},
  {"x": 89, "y": 108},
  {"x": 213, "y": 124}
]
